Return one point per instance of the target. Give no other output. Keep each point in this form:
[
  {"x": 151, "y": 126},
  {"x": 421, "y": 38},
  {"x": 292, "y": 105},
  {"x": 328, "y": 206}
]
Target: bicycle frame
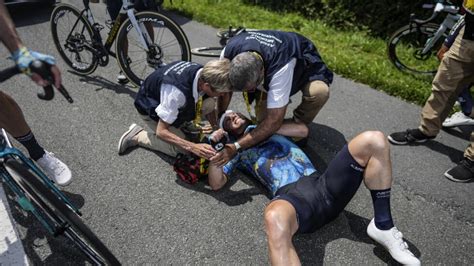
[
  {"x": 6, "y": 151},
  {"x": 125, "y": 10},
  {"x": 448, "y": 22}
]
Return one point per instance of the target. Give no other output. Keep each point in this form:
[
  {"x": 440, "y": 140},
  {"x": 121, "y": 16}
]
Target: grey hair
[
  {"x": 244, "y": 68},
  {"x": 216, "y": 73}
]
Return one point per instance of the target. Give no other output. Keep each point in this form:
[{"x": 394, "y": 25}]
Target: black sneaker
[
  {"x": 463, "y": 172},
  {"x": 407, "y": 137}
]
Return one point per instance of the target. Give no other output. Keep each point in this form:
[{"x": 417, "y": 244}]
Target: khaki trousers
[
  {"x": 454, "y": 73},
  {"x": 315, "y": 95},
  {"x": 148, "y": 138}
]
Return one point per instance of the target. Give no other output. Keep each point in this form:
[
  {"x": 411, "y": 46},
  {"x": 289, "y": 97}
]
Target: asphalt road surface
[{"x": 139, "y": 208}]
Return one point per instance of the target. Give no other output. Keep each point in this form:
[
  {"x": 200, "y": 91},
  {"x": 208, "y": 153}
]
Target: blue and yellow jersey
[{"x": 275, "y": 162}]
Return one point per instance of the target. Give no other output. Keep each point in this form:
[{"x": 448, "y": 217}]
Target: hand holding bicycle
[
  {"x": 23, "y": 58},
  {"x": 43, "y": 71}
]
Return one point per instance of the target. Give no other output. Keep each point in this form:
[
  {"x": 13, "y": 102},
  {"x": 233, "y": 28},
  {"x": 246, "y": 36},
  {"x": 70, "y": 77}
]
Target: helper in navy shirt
[
  {"x": 169, "y": 100},
  {"x": 272, "y": 66},
  {"x": 305, "y": 200}
]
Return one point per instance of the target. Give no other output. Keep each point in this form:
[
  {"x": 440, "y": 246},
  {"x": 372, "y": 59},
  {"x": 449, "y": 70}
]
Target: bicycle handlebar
[
  {"x": 44, "y": 70},
  {"x": 437, "y": 8}
]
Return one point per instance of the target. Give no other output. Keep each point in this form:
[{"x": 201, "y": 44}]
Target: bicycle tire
[
  {"x": 169, "y": 44},
  {"x": 405, "y": 46},
  {"x": 207, "y": 51},
  {"x": 57, "y": 210},
  {"x": 75, "y": 48}
]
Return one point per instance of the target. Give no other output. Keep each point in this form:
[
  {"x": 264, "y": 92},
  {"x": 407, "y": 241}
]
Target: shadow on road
[
  {"x": 36, "y": 236},
  {"x": 311, "y": 247},
  {"x": 462, "y": 132},
  {"x": 22, "y": 14},
  {"x": 103, "y": 83}
]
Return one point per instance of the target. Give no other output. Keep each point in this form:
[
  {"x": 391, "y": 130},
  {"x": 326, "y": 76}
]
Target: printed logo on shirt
[
  {"x": 263, "y": 39},
  {"x": 179, "y": 67}
]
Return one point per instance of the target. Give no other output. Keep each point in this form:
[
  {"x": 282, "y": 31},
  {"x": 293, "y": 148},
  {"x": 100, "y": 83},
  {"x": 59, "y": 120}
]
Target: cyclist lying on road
[
  {"x": 305, "y": 200},
  {"x": 11, "y": 116}
]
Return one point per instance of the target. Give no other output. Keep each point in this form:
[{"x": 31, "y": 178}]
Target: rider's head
[
  {"x": 246, "y": 71},
  {"x": 215, "y": 76},
  {"x": 234, "y": 123}
]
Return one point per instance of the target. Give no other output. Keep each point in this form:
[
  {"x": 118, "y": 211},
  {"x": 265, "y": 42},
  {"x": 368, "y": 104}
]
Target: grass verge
[{"x": 352, "y": 54}]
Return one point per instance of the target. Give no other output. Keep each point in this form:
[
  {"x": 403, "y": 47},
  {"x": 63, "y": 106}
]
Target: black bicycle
[
  {"x": 224, "y": 36},
  {"x": 412, "y": 48},
  {"x": 145, "y": 40},
  {"x": 36, "y": 193}
]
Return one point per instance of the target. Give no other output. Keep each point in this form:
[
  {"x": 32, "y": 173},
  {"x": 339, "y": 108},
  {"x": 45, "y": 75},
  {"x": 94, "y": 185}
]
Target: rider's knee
[
  {"x": 375, "y": 140},
  {"x": 276, "y": 226}
]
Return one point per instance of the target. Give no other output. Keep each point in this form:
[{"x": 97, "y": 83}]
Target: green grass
[{"x": 352, "y": 54}]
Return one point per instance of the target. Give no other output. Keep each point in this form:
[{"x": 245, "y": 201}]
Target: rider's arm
[
  {"x": 20, "y": 54},
  {"x": 216, "y": 177},
  {"x": 8, "y": 33}
]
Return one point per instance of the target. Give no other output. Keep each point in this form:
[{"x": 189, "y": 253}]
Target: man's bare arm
[
  {"x": 265, "y": 129},
  {"x": 8, "y": 34},
  {"x": 200, "y": 149}
]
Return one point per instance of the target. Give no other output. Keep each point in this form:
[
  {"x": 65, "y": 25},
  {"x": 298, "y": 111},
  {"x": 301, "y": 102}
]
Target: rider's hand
[
  {"x": 206, "y": 129},
  {"x": 218, "y": 135},
  {"x": 203, "y": 150},
  {"x": 23, "y": 58},
  {"x": 223, "y": 157}
]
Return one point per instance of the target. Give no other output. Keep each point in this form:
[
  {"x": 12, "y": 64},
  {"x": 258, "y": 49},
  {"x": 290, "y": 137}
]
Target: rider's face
[{"x": 234, "y": 123}]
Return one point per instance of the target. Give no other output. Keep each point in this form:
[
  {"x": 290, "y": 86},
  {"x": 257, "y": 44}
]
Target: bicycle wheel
[
  {"x": 207, "y": 51},
  {"x": 58, "y": 211},
  {"x": 405, "y": 48},
  {"x": 169, "y": 44},
  {"x": 72, "y": 36}
]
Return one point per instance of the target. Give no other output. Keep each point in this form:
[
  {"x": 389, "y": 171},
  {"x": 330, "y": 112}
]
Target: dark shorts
[{"x": 318, "y": 199}]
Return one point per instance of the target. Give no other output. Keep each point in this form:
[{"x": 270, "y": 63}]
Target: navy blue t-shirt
[
  {"x": 277, "y": 48},
  {"x": 180, "y": 74}
]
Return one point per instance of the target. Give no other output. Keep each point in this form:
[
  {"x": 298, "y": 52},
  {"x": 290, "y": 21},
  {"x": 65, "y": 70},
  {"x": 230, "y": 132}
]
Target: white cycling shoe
[
  {"x": 55, "y": 169},
  {"x": 392, "y": 240}
]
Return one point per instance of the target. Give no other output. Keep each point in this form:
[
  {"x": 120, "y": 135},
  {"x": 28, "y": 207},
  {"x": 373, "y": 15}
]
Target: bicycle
[
  {"x": 224, "y": 36},
  {"x": 144, "y": 41},
  {"x": 36, "y": 193},
  {"x": 412, "y": 48}
]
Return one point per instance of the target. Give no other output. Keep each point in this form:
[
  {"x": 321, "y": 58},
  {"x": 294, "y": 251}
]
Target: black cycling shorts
[{"x": 318, "y": 199}]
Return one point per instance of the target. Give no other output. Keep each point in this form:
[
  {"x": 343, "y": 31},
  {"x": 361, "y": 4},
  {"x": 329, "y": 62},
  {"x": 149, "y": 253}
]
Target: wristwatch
[{"x": 237, "y": 146}]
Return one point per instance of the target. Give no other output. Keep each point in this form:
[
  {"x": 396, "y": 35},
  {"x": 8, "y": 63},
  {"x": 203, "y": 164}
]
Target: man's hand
[
  {"x": 223, "y": 157},
  {"x": 202, "y": 150},
  {"x": 23, "y": 58},
  {"x": 206, "y": 129}
]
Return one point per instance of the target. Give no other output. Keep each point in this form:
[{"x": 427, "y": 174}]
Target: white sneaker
[
  {"x": 55, "y": 169},
  {"x": 126, "y": 140},
  {"x": 392, "y": 240},
  {"x": 121, "y": 78},
  {"x": 458, "y": 119}
]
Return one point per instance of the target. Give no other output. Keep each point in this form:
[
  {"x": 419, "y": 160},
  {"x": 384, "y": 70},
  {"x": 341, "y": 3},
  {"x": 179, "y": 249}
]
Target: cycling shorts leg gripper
[{"x": 343, "y": 177}]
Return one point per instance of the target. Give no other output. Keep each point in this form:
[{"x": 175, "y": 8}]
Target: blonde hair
[{"x": 216, "y": 73}]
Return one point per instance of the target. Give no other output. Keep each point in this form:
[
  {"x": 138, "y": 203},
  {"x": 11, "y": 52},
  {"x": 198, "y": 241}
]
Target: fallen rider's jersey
[{"x": 275, "y": 162}]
